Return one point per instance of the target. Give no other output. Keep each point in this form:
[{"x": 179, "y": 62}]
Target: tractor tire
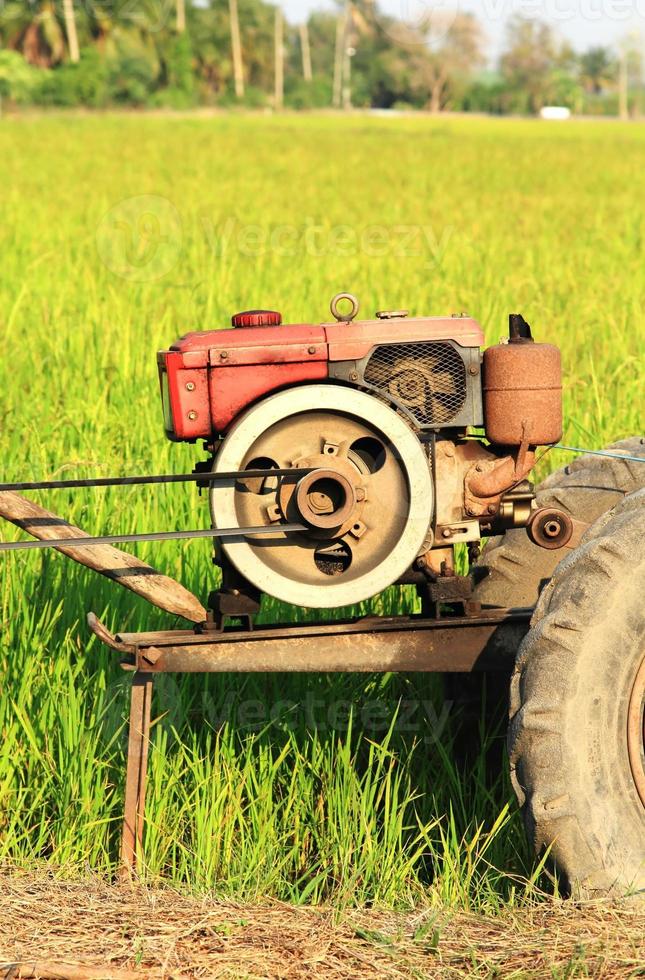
[
  {"x": 576, "y": 738},
  {"x": 511, "y": 570}
]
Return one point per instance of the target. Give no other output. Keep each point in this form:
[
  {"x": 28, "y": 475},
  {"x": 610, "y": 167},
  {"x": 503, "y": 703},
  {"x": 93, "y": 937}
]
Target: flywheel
[{"x": 366, "y": 503}]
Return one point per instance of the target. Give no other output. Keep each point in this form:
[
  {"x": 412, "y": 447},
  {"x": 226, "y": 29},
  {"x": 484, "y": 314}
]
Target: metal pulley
[
  {"x": 366, "y": 504},
  {"x": 550, "y": 528}
]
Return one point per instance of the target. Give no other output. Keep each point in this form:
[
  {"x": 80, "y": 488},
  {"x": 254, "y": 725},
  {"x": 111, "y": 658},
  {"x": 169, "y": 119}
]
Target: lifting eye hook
[{"x": 344, "y": 317}]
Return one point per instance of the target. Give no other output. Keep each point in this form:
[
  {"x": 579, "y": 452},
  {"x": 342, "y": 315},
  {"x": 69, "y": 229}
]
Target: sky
[{"x": 584, "y": 23}]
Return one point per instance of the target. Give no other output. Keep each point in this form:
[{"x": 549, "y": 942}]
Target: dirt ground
[{"x": 82, "y": 929}]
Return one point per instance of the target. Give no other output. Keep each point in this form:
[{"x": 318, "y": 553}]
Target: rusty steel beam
[
  {"x": 136, "y": 773},
  {"x": 461, "y": 645},
  {"x": 476, "y": 648}
]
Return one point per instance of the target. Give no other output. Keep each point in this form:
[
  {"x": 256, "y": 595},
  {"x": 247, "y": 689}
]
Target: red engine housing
[{"x": 208, "y": 378}]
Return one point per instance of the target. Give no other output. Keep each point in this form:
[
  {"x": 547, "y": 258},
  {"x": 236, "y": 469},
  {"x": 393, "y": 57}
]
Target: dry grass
[{"x": 83, "y": 929}]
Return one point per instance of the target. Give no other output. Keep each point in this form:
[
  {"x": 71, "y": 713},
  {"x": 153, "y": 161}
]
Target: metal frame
[
  {"x": 470, "y": 413},
  {"x": 137, "y": 770},
  {"x": 461, "y": 644}
]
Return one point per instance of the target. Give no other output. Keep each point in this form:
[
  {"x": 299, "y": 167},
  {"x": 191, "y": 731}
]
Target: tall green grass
[{"x": 305, "y": 788}]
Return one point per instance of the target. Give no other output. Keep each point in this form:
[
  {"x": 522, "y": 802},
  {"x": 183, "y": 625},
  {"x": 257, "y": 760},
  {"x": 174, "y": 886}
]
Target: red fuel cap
[{"x": 257, "y": 318}]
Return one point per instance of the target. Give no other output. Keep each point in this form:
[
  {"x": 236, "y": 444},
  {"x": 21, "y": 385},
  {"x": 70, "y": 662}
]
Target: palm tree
[
  {"x": 597, "y": 69},
  {"x": 305, "y": 51},
  {"x": 181, "y": 16},
  {"x": 33, "y": 28},
  {"x": 70, "y": 30},
  {"x": 278, "y": 90},
  {"x": 210, "y": 37},
  {"x": 355, "y": 22},
  {"x": 236, "y": 49}
]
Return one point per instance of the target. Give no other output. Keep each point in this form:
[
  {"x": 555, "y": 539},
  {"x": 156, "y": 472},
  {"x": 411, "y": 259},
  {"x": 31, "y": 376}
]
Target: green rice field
[{"x": 117, "y": 234}]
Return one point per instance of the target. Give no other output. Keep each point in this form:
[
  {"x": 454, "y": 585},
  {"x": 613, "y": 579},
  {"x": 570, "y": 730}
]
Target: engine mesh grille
[{"x": 429, "y": 379}]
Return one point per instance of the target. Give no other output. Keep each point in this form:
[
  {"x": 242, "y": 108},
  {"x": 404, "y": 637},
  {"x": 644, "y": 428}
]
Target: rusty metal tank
[{"x": 522, "y": 387}]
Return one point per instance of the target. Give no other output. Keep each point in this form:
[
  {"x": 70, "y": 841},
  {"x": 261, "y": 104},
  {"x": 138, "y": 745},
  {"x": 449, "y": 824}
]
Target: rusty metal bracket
[
  {"x": 102, "y": 632},
  {"x": 487, "y": 640}
]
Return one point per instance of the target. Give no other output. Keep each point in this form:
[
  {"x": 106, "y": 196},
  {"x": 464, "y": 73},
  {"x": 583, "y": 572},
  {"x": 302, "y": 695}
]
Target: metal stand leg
[{"x": 135, "y": 781}]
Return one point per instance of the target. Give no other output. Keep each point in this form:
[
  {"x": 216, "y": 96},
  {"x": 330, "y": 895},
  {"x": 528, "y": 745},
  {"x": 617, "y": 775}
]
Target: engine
[{"x": 402, "y": 436}]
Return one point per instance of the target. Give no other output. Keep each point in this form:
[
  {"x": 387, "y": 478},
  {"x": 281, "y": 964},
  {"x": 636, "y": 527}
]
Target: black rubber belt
[
  {"x": 128, "y": 481},
  {"x": 215, "y": 532},
  {"x": 93, "y": 542}
]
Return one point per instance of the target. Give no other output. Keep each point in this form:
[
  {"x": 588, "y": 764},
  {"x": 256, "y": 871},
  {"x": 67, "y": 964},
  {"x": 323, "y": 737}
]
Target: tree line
[{"x": 179, "y": 53}]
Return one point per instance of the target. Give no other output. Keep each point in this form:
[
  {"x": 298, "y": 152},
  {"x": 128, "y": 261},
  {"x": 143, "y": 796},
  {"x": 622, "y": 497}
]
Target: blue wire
[{"x": 601, "y": 452}]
